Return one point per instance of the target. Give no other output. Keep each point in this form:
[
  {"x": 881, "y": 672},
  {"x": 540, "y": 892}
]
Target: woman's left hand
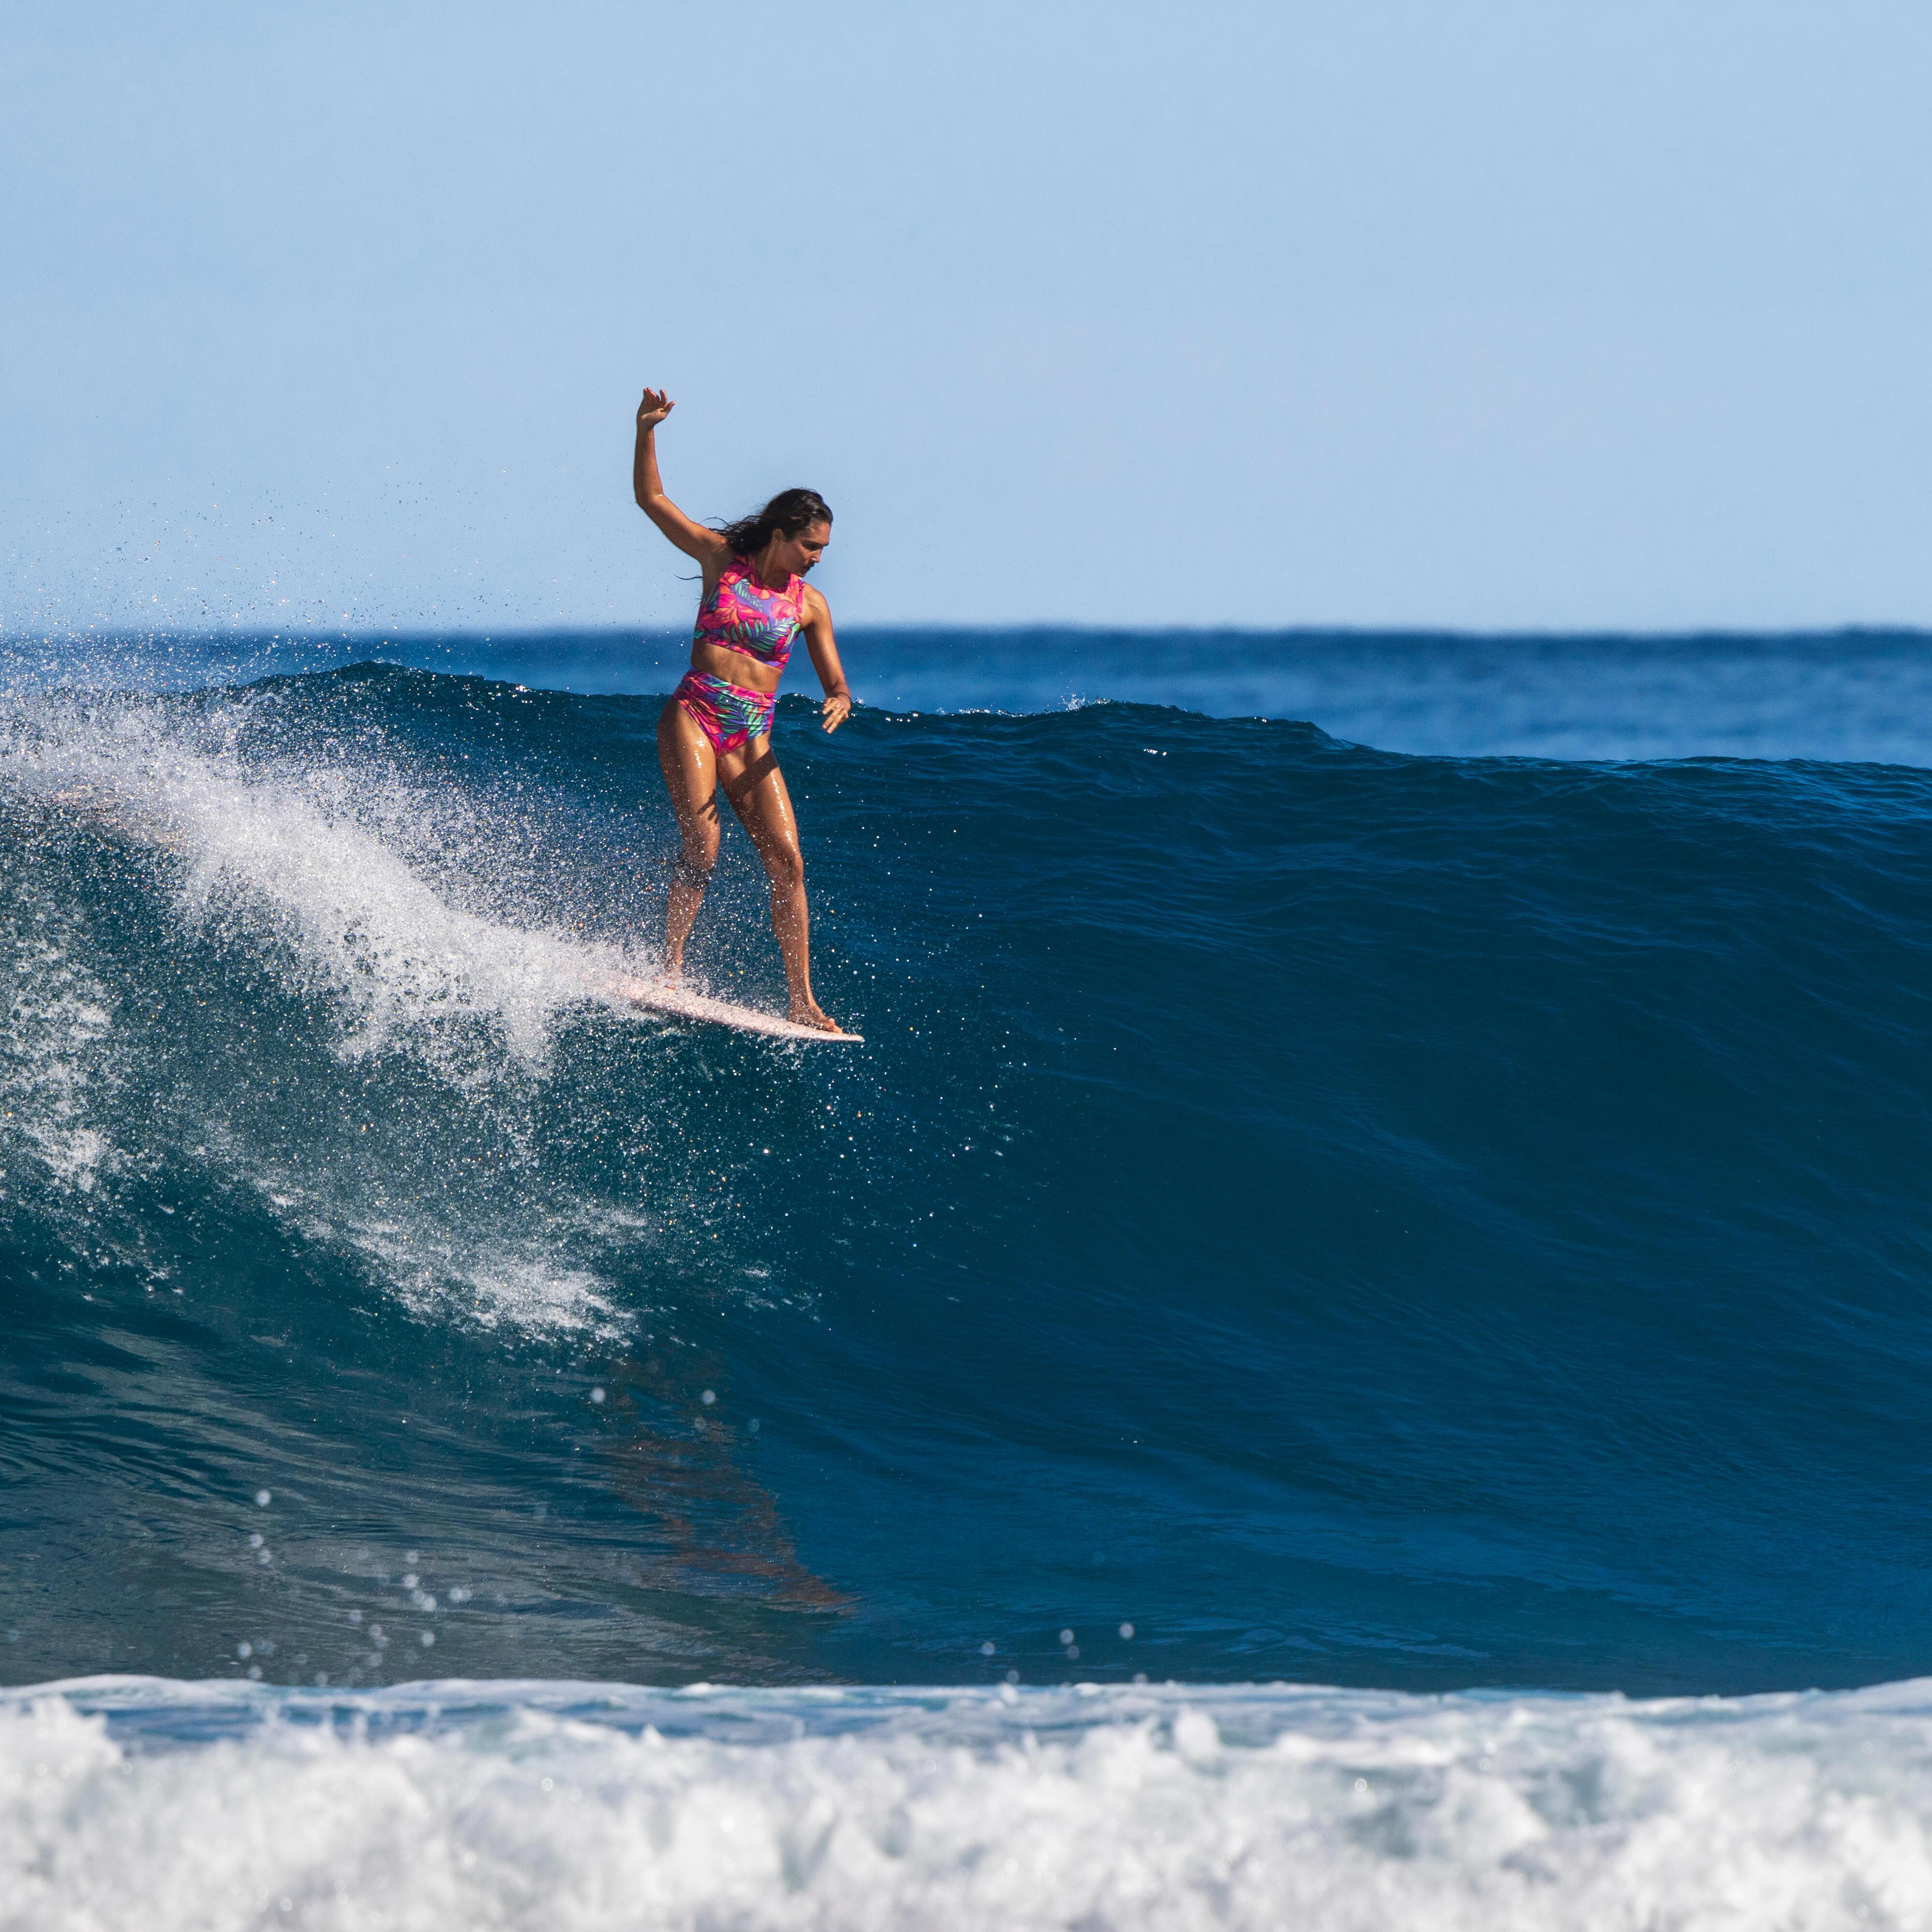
[{"x": 836, "y": 708}]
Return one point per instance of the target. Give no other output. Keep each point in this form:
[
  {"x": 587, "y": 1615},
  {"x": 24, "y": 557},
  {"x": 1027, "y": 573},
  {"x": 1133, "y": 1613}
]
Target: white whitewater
[{"x": 133, "y": 1802}]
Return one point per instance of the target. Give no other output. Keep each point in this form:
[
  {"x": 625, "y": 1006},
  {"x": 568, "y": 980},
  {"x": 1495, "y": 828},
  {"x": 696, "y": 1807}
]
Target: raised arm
[
  {"x": 818, "y": 629},
  {"x": 694, "y": 539}
]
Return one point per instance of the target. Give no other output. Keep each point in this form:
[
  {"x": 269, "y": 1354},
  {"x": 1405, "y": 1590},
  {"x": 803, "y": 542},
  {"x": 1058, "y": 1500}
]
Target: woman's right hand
[{"x": 652, "y": 410}]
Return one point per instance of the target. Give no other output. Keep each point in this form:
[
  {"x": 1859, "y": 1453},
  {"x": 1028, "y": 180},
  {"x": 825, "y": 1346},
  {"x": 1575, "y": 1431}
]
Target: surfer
[{"x": 716, "y": 729}]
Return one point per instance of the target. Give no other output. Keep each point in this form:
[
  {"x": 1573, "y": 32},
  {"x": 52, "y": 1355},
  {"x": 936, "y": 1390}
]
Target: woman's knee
[
  {"x": 699, "y": 854},
  {"x": 784, "y": 865}
]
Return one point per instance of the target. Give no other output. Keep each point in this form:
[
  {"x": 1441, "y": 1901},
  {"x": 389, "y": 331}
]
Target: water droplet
[
  {"x": 1067, "y": 1636},
  {"x": 597, "y": 1395},
  {"x": 709, "y": 1397},
  {"x": 985, "y": 1650},
  {"x": 263, "y": 1498},
  {"x": 1127, "y": 1631}
]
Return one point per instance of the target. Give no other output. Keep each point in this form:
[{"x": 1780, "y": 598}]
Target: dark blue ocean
[{"x": 1400, "y": 1177}]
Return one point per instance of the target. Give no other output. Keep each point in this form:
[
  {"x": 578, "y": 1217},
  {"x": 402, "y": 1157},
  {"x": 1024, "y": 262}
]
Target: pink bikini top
[{"x": 741, "y": 615}]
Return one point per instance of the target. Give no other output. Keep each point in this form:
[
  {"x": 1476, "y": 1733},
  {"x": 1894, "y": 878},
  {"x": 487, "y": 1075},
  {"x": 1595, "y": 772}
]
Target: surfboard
[{"x": 680, "y": 1003}]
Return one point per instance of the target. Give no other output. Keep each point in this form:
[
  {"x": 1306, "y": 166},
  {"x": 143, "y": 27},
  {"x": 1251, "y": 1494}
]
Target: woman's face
[{"x": 795, "y": 556}]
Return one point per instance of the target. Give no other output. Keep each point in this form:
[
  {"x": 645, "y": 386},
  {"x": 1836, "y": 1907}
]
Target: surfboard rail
[{"x": 679, "y": 1002}]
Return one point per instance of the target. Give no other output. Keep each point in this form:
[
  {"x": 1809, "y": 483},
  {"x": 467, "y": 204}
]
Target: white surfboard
[{"x": 659, "y": 996}]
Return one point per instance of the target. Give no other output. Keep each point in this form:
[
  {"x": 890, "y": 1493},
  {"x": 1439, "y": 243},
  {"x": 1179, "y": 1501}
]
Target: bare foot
[{"x": 809, "y": 1012}]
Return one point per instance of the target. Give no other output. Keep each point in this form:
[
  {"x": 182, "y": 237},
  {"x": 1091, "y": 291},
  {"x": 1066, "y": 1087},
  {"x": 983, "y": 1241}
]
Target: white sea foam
[
  {"x": 327, "y": 878},
  {"x": 128, "y": 1801},
  {"x": 55, "y": 1043},
  {"x": 527, "y": 1281},
  {"x": 315, "y": 864}
]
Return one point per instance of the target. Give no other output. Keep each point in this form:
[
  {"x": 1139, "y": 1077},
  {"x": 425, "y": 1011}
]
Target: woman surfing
[{"x": 716, "y": 729}]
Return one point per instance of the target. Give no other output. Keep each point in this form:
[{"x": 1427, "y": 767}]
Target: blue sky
[{"x": 1471, "y": 314}]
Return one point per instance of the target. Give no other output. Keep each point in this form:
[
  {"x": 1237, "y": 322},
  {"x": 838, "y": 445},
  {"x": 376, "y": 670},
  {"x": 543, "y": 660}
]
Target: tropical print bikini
[
  {"x": 730, "y": 715},
  {"x": 741, "y": 615}
]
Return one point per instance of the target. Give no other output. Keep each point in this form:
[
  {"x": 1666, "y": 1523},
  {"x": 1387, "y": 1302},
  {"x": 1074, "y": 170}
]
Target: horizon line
[{"x": 380, "y": 635}]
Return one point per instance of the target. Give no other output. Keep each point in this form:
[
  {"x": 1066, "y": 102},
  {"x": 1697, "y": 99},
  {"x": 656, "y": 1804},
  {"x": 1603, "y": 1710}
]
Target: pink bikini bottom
[{"x": 726, "y": 713}]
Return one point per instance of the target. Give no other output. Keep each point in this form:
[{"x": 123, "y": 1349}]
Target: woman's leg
[
  {"x": 764, "y": 806},
  {"x": 691, "y": 777}
]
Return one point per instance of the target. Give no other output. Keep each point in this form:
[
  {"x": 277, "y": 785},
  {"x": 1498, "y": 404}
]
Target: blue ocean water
[
  {"x": 1864, "y": 696},
  {"x": 1319, "y": 1203}
]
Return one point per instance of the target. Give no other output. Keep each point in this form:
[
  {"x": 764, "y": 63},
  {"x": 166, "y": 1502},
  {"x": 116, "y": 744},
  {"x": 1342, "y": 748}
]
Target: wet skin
[{"x": 694, "y": 770}]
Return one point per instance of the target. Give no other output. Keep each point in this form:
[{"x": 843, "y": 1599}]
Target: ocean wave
[{"x": 1406, "y": 1221}]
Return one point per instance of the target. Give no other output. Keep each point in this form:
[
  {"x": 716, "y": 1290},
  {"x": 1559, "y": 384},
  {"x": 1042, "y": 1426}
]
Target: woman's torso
[{"x": 745, "y": 633}]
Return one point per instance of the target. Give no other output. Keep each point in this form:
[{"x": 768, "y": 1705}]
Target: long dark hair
[{"x": 790, "y": 512}]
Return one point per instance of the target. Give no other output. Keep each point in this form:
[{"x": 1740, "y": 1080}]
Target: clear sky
[{"x": 1471, "y": 313}]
